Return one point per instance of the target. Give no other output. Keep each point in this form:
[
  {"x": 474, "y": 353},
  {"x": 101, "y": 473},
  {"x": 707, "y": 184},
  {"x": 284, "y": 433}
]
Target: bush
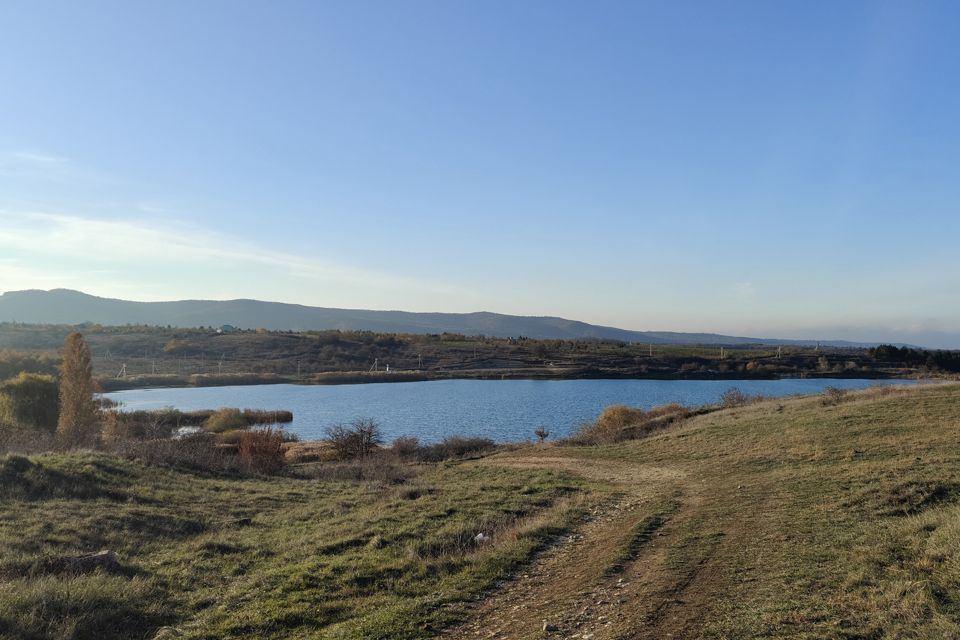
[
  {"x": 356, "y": 440},
  {"x": 31, "y": 400},
  {"x": 453, "y": 447},
  {"x": 262, "y": 416},
  {"x": 196, "y": 452},
  {"x": 618, "y": 423},
  {"x": 225, "y": 420},
  {"x": 405, "y": 447},
  {"x": 14, "y": 438},
  {"x": 143, "y": 425},
  {"x": 261, "y": 450},
  {"x": 305, "y": 452},
  {"x": 733, "y": 397},
  {"x": 833, "y": 396}
]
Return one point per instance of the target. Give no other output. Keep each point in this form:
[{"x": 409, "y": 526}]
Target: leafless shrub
[
  {"x": 405, "y": 447},
  {"x": 833, "y": 396},
  {"x": 733, "y": 397},
  {"x": 196, "y": 452},
  {"x": 541, "y": 433},
  {"x": 17, "y": 439},
  {"x": 261, "y": 450},
  {"x": 453, "y": 447},
  {"x": 356, "y": 440}
]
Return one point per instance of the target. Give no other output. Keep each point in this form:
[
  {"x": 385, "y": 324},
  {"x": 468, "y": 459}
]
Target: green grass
[{"x": 315, "y": 559}]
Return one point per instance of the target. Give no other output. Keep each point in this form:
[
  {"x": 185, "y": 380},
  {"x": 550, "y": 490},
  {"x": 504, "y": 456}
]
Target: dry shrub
[
  {"x": 305, "y": 452},
  {"x": 261, "y": 450},
  {"x": 733, "y": 397},
  {"x": 833, "y": 396},
  {"x": 357, "y": 440},
  {"x": 225, "y": 419},
  {"x": 228, "y": 419},
  {"x": 405, "y": 447},
  {"x": 619, "y": 422},
  {"x": 262, "y": 416},
  {"x": 196, "y": 452},
  {"x": 453, "y": 447},
  {"x": 231, "y": 438},
  {"x": 17, "y": 439}
]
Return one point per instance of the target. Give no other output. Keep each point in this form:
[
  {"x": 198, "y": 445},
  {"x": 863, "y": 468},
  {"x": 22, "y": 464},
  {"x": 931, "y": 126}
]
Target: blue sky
[{"x": 762, "y": 168}]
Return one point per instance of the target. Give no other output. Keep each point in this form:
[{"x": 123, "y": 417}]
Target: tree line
[{"x": 939, "y": 360}]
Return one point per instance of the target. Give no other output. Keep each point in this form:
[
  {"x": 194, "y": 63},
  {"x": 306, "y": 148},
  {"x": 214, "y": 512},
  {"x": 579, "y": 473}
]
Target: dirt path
[{"x": 665, "y": 589}]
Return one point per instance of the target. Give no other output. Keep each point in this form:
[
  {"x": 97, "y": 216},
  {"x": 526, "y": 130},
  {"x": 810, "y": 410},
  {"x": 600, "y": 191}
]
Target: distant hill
[{"x": 65, "y": 306}]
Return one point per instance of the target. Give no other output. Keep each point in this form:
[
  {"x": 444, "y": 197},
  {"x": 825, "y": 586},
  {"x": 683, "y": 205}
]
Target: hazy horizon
[
  {"x": 811, "y": 338},
  {"x": 775, "y": 170}
]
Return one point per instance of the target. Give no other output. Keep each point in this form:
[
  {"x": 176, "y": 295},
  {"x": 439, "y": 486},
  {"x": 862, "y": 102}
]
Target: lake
[{"x": 505, "y": 410}]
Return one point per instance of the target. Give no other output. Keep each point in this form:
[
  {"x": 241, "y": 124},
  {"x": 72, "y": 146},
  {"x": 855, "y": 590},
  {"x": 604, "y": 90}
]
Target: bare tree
[{"x": 541, "y": 433}]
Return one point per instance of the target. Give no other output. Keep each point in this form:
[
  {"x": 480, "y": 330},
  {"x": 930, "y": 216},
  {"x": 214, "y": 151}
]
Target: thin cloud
[
  {"x": 42, "y": 243},
  {"x": 30, "y": 157}
]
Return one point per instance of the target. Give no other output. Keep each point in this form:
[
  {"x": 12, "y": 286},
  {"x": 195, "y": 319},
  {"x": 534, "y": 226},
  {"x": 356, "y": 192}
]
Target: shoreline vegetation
[
  {"x": 131, "y": 357},
  {"x": 365, "y": 377}
]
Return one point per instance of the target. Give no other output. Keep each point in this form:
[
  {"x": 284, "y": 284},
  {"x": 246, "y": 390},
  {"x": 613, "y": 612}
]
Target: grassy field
[
  {"x": 786, "y": 518},
  {"x": 213, "y": 556}
]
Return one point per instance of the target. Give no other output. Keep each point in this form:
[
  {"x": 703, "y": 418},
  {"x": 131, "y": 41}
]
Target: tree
[
  {"x": 77, "y": 426},
  {"x": 30, "y": 400},
  {"x": 541, "y": 433}
]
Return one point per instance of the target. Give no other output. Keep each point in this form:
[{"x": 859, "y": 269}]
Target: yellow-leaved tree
[{"x": 79, "y": 416}]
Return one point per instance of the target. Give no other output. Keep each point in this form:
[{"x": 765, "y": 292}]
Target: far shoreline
[{"x": 109, "y": 385}]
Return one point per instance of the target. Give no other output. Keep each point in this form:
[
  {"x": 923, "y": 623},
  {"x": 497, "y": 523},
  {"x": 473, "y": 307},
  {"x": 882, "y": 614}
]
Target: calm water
[{"x": 505, "y": 410}]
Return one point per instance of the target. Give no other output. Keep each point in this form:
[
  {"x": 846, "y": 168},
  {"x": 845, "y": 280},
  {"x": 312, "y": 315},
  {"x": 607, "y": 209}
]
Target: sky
[{"x": 773, "y": 169}]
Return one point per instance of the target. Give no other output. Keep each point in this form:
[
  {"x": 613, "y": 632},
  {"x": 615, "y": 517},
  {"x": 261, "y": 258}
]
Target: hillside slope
[
  {"x": 64, "y": 306},
  {"x": 785, "y": 519}
]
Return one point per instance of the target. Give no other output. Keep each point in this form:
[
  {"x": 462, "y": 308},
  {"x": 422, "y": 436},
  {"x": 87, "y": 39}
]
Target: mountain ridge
[{"x": 71, "y": 307}]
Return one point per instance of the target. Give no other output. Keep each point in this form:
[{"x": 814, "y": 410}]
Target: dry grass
[
  {"x": 261, "y": 450},
  {"x": 618, "y": 423}
]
